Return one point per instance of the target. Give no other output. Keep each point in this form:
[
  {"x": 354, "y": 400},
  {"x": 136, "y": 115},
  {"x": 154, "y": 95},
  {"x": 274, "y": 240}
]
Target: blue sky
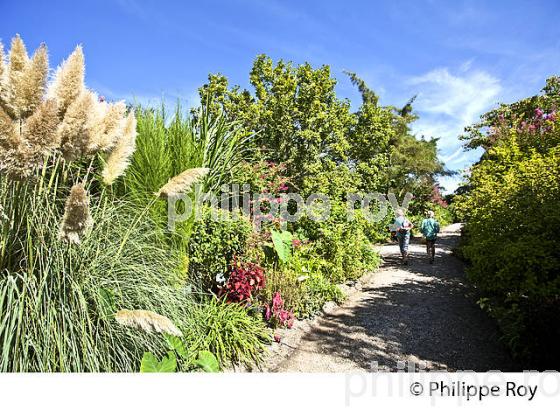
[{"x": 460, "y": 57}]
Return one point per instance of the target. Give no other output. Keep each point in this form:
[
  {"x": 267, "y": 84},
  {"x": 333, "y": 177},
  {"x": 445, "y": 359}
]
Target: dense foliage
[
  {"x": 512, "y": 222},
  {"x": 298, "y": 120},
  {"x": 93, "y": 278}
]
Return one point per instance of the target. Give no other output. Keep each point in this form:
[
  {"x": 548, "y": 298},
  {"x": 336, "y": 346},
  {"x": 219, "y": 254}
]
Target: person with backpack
[
  {"x": 430, "y": 230},
  {"x": 403, "y": 226}
]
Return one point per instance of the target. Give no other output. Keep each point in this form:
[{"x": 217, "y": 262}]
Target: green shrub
[
  {"x": 512, "y": 226},
  {"x": 330, "y": 253},
  {"x": 343, "y": 244},
  {"x": 316, "y": 290},
  {"x": 228, "y": 331},
  {"x": 302, "y": 283},
  {"x": 512, "y": 223},
  {"x": 213, "y": 243}
]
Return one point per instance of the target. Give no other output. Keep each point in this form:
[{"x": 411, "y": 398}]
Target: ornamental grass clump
[
  {"x": 58, "y": 133},
  {"x": 62, "y": 277}
]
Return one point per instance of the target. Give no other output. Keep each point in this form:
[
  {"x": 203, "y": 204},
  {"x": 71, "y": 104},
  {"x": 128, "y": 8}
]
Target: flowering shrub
[
  {"x": 512, "y": 219},
  {"x": 244, "y": 280},
  {"x": 277, "y": 315}
]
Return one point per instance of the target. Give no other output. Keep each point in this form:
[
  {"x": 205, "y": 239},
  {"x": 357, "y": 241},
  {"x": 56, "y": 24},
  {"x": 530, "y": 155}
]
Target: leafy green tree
[
  {"x": 294, "y": 112},
  {"x": 298, "y": 120}
]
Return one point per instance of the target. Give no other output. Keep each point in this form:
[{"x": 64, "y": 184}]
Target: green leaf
[
  {"x": 177, "y": 345},
  {"x": 150, "y": 363},
  {"x": 282, "y": 242},
  {"x": 207, "y": 362}
]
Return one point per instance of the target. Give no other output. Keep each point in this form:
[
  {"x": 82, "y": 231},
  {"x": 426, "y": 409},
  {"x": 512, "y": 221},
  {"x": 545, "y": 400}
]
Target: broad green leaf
[
  {"x": 177, "y": 345},
  {"x": 207, "y": 362},
  {"x": 282, "y": 242},
  {"x": 150, "y": 363}
]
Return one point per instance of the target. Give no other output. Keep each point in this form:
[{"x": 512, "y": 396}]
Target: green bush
[
  {"x": 331, "y": 252},
  {"x": 228, "y": 331},
  {"x": 213, "y": 243},
  {"x": 302, "y": 283},
  {"x": 343, "y": 244},
  {"x": 512, "y": 223}
]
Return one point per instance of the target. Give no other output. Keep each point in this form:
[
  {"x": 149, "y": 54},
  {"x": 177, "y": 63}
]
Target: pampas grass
[
  {"x": 147, "y": 321},
  {"x": 77, "y": 219},
  {"x": 69, "y": 81},
  {"x": 84, "y": 125},
  {"x": 25, "y": 80},
  {"x": 182, "y": 182},
  {"x": 120, "y": 155},
  {"x": 57, "y": 302}
]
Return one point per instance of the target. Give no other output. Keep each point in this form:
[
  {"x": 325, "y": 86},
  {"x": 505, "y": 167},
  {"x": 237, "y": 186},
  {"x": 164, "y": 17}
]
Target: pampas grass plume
[
  {"x": 119, "y": 158},
  {"x": 147, "y": 321},
  {"x": 69, "y": 81},
  {"x": 33, "y": 83},
  {"x": 77, "y": 219},
  {"x": 40, "y": 130},
  {"x": 74, "y": 132},
  {"x": 182, "y": 182}
]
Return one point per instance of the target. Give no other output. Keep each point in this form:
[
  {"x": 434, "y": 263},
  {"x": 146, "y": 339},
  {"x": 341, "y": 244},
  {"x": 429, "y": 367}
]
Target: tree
[{"x": 301, "y": 122}]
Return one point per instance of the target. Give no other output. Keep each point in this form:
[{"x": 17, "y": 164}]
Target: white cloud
[
  {"x": 449, "y": 102},
  {"x": 461, "y": 97}
]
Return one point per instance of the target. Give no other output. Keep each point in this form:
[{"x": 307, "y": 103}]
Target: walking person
[
  {"x": 430, "y": 230},
  {"x": 403, "y": 226}
]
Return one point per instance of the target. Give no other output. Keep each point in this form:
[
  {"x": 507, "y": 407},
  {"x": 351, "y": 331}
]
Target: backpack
[{"x": 406, "y": 226}]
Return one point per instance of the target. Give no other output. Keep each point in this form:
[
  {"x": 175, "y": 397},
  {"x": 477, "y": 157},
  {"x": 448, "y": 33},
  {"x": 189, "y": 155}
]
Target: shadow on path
[{"x": 421, "y": 314}]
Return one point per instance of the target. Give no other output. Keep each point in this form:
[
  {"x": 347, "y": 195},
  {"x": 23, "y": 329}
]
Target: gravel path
[{"x": 419, "y": 315}]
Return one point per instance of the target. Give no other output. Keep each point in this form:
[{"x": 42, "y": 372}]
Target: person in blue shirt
[
  {"x": 402, "y": 226},
  {"x": 430, "y": 230}
]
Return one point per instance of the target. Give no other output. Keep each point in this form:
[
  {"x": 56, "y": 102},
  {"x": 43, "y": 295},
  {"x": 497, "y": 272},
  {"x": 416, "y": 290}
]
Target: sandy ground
[{"x": 413, "y": 317}]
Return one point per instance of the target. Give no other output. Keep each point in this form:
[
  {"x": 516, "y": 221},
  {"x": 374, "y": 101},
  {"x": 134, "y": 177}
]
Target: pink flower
[
  {"x": 290, "y": 321},
  {"x": 539, "y": 113},
  {"x": 267, "y": 313},
  {"x": 283, "y": 316},
  {"x": 296, "y": 243},
  {"x": 283, "y": 188},
  {"x": 277, "y": 302},
  {"x": 277, "y": 338}
]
